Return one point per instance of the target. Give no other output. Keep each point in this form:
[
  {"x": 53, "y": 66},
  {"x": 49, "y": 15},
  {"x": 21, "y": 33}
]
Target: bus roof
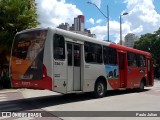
[
  {"x": 94, "y": 40},
  {"x": 80, "y": 36},
  {"x": 83, "y": 38},
  {"x": 129, "y": 49},
  {"x": 32, "y": 29}
]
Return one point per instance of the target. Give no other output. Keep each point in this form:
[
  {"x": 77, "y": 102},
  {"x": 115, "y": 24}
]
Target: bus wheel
[
  {"x": 99, "y": 90},
  {"x": 141, "y": 87}
]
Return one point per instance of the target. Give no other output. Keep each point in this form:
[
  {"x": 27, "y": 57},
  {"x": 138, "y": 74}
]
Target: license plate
[{"x": 26, "y": 76}]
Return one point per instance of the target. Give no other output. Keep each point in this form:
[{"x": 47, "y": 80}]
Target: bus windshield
[{"x": 27, "y": 54}]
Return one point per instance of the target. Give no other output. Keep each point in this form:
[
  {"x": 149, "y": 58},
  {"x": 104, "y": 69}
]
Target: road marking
[{"x": 3, "y": 97}]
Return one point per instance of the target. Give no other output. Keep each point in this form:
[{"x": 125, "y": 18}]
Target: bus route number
[{"x": 59, "y": 63}]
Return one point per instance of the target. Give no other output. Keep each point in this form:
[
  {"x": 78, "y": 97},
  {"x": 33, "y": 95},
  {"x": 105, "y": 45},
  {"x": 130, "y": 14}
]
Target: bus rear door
[
  {"x": 74, "y": 66},
  {"x": 149, "y": 71},
  {"x": 122, "y": 56}
]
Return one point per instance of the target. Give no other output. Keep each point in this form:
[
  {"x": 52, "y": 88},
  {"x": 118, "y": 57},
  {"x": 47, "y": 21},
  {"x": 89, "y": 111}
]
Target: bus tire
[
  {"x": 99, "y": 90},
  {"x": 141, "y": 87}
]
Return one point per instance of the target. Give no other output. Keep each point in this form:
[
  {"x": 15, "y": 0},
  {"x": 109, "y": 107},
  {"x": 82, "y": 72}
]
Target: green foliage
[
  {"x": 150, "y": 43},
  {"x": 15, "y": 15},
  {"x": 144, "y": 42}
]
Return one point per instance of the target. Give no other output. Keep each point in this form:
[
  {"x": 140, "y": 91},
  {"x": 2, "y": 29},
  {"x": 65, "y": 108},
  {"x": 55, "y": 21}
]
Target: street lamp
[
  {"x": 121, "y": 26},
  {"x": 104, "y": 16}
]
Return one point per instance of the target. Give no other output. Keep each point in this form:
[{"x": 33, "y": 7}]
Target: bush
[{"x": 6, "y": 82}]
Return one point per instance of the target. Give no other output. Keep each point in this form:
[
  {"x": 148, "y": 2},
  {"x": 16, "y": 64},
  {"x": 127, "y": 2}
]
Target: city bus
[{"x": 67, "y": 62}]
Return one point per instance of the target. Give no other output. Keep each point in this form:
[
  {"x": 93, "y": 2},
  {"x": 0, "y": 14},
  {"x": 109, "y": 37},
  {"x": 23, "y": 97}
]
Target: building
[
  {"x": 129, "y": 40},
  {"x": 79, "y": 23},
  {"x": 86, "y": 33},
  {"x": 72, "y": 28},
  {"x": 64, "y": 26},
  {"x": 77, "y": 27}
]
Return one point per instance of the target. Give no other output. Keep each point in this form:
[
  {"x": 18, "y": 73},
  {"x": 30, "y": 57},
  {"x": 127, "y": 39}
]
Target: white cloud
[
  {"x": 100, "y": 31},
  {"x": 97, "y": 2},
  {"x": 142, "y": 18},
  {"x": 54, "y": 12},
  {"x": 138, "y": 30},
  {"x": 114, "y": 29},
  {"x": 91, "y": 20},
  {"x": 98, "y": 21}
]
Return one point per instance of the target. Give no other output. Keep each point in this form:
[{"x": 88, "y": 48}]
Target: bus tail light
[{"x": 44, "y": 71}]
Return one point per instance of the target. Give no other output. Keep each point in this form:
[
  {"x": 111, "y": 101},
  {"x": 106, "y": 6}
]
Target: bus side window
[
  {"x": 109, "y": 55},
  {"x": 132, "y": 59},
  {"x": 89, "y": 57},
  {"x": 141, "y": 61},
  {"x": 59, "y": 47},
  {"x": 105, "y": 54},
  {"x": 93, "y": 53}
]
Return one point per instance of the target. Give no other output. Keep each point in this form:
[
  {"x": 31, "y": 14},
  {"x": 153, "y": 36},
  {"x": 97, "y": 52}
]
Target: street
[{"x": 48, "y": 101}]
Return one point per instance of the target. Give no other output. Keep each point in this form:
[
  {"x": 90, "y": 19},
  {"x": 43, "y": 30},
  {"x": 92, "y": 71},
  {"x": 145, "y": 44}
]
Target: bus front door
[
  {"x": 74, "y": 69},
  {"x": 122, "y": 69},
  {"x": 149, "y": 71}
]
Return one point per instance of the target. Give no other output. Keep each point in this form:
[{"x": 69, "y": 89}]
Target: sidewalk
[
  {"x": 30, "y": 93},
  {"x": 8, "y": 90},
  {"x": 156, "y": 80}
]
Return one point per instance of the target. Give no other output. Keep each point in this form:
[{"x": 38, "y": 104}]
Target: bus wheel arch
[
  {"x": 100, "y": 87},
  {"x": 142, "y": 84}
]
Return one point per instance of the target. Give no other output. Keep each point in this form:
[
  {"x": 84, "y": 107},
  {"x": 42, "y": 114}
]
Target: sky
[{"x": 143, "y": 15}]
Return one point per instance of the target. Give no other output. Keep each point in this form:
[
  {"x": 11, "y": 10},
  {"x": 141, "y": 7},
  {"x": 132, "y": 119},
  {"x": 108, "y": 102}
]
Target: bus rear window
[
  {"x": 27, "y": 45},
  {"x": 27, "y": 55}
]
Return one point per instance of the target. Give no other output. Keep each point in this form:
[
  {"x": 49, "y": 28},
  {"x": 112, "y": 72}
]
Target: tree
[
  {"x": 15, "y": 15},
  {"x": 151, "y": 43},
  {"x": 145, "y": 42},
  {"x": 156, "y": 46}
]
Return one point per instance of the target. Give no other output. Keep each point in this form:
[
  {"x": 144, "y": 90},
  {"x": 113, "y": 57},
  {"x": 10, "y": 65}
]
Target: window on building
[
  {"x": 93, "y": 53},
  {"x": 109, "y": 55},
  {"x": 59, "y": 47}
]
